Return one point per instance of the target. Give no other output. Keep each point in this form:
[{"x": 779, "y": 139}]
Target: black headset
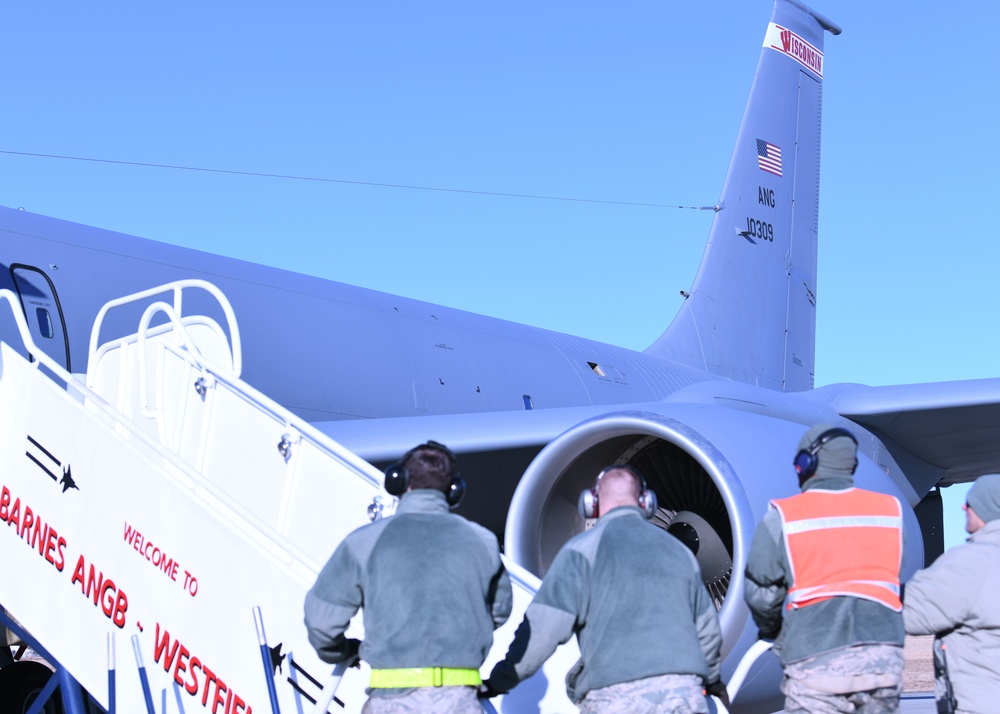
[
  {"x": 589, "y": 506},
  {"x": 397, "y": 476},
  {"x": 806, "y": 461}
]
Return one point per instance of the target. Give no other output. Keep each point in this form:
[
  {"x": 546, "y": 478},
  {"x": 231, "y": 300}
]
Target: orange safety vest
[{"x": 847, "y": 542}]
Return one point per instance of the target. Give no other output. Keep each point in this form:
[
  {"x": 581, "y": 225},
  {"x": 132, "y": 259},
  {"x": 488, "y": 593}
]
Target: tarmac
[{"x": 918, "y": 677}]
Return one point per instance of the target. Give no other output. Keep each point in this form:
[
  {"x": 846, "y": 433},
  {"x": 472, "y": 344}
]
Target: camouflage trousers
[
  {"x": 426, "y": 700},
  {"x": 866, "y": 679},
  {"x": 665, "y": 694}
]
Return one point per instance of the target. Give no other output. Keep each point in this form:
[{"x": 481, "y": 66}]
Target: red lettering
[
  {"x": 220, "y": 690},
  {"x": 160, "y": 646},
  {"x": 151, "y": 552},
  {"x": 190, "y": 583},
  {"x": 181, "y": 665},
  {"x": 177, "y": 660},
  {"x": 167, "y": 566},
  {"x": 94, "y": 588},
  {"x": 38, "y": 537},
  {"x": 29, "y": 518},
  {"x": 795, "y": 46},
  {"x": 15, "y": 514},
  {"x": 78, "y": 574},
  {"x": 31, "y": 528},
  {"x": 209, "y": 679},
  {"x": 192, "y": 686},
  {"x": 108, "y": 591},
  {"x": 121, "y": 605},
  {"x": 60, "y": 546},
  {"x": 50, "y": 545},
  {"x": 102, "y": 591}
]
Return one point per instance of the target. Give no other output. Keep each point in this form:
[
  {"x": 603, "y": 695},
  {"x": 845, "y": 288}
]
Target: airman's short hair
[{"x": 430, "y": 467}]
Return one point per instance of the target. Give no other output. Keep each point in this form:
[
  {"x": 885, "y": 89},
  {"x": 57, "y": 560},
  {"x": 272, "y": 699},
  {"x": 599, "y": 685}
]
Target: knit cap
[
  {"x": 837, "y": 457},
  {"x": 984, "y": 497}
]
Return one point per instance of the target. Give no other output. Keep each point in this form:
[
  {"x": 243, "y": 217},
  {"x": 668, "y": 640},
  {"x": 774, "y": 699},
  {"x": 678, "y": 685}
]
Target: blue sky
[{"x": 637, "y": 103}]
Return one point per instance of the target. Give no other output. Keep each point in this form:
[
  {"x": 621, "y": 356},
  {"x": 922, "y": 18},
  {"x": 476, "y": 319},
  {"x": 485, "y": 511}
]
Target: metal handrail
[
  {"x": 191, "y": 354},
  {"x": 195, "y": 482},
  {"x": 329, "y": 690},
  {"x": 176, "y": 288},
  {"x": 739, "y": 675}
]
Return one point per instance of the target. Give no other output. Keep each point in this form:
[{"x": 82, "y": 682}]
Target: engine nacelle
[{"x": 714, "y": 470}]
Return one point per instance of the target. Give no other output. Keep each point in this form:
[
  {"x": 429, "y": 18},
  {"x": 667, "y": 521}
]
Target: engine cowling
[
  {"x": 714, "y": 470},
  {"x": 701, "y": 499}
]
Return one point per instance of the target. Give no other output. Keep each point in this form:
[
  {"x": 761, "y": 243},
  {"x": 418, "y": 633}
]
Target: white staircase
[{"x": 161, "y": 500}]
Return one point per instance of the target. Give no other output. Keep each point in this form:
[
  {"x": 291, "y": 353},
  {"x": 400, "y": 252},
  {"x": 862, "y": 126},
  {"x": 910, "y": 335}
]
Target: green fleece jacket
[
  {"x": 819, "y": 628},
  {"x": 431, "y": 583},
  {"x": 634, "y": 597}
]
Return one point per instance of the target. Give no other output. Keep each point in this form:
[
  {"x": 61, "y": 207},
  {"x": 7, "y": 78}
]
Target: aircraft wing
[
  {"x": 383, "y": 440},
  {"x": 940, "y": 432},
  {"x": 493, "y": 449}
]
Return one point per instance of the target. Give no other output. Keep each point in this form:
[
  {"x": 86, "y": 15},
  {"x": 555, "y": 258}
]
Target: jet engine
[
  {"x": 713, "y": 468},
  {"x": 702, "y": 497},
  {"x": 691, "y": 506}
]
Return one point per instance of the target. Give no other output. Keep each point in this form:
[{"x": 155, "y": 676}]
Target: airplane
[{"x": 710, "y": 412}]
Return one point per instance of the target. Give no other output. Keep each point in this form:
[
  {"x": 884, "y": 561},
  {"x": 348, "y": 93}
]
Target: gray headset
[
  {"x": 589, "y": 504},
  {"x": 807, "y": 460},
  {"x": 397, "y": 476}
]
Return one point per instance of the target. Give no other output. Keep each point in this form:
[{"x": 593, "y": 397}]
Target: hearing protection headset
[
  {"x": 589, "y": 505},
  {"x": 806, "y": 461},
  {"x": 397, "y": 476}
]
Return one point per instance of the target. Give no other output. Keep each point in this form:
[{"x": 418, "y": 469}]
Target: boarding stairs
[
  {"x": 161, "y": 521},
  {"x": 164, "y": 520}
]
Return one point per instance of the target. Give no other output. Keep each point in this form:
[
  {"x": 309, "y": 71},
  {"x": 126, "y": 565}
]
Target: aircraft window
[
  {"x": 528, "y": 405},
  {"x": 597, "y": 369},
  {"x": 44, "y": 322}
]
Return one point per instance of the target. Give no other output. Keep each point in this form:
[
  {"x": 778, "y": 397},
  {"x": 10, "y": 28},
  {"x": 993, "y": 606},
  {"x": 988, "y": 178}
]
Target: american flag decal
[{"x": 769, "y": 157}]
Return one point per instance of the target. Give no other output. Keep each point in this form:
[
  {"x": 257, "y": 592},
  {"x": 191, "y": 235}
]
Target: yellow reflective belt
[{"x": 424, "y": 677}]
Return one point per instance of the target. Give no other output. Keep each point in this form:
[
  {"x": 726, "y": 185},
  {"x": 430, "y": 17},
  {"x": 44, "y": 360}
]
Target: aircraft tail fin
[{"x": 751, "y": 312}]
